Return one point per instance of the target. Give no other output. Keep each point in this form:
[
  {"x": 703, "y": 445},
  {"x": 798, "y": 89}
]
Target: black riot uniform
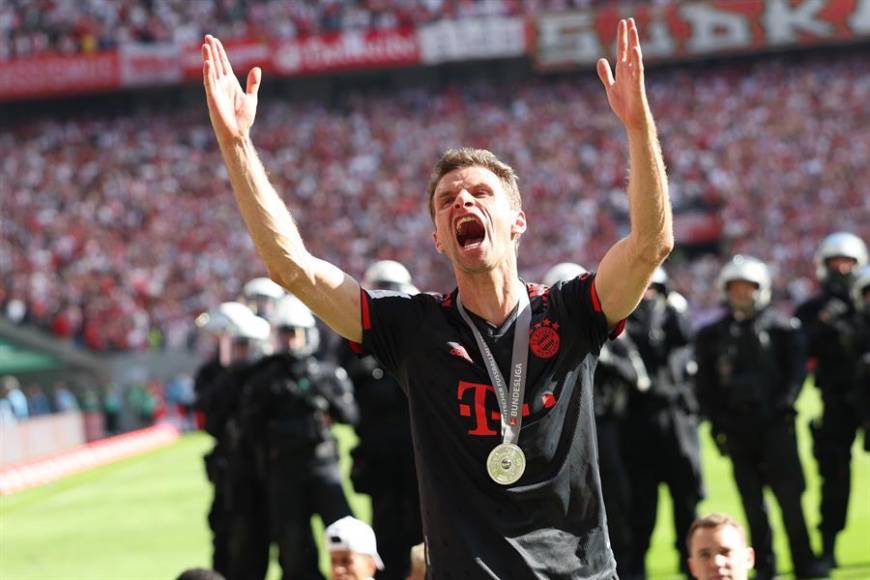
[
  {"x": 383, "y": 462},
  {"x": 828, "y": 325},
  {"x": 616, "y": 376},
  {"x": 750, "y": 373},
  {"x": 219, "y": 392},
  {"x": 287, "y": 408},
  {"x": 860, "y": 395},
  {"x": 661, "y": 433}
]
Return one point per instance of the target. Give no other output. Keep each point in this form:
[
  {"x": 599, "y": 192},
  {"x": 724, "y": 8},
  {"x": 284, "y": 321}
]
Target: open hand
[
  {"x": 626, "y": 94},
  {"x": 230, "y": 109}
]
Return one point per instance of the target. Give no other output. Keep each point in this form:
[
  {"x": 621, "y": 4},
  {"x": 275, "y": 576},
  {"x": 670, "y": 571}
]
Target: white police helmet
[
  {"x": 659, "y": 277},
  {"x": 840, "y": 244},
  {"x": 748, "y": 269},
  {"x": 235, "y": 320},
  {"x": 292, "y": 312},
  {"x": 859, "y": 287},
  {"x": 390, "y": 274},
  {"x": 563, "y": 271},
  {"x": 677, "y": 301},
  {"x": 262, "y": 287}
]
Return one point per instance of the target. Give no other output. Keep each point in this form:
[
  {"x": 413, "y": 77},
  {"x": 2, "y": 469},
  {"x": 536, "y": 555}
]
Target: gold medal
[{"x": 506, "y": 463}]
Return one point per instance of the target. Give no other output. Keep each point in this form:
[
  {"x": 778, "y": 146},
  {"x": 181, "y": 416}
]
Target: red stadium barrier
[{"x": 48, "y": 469}]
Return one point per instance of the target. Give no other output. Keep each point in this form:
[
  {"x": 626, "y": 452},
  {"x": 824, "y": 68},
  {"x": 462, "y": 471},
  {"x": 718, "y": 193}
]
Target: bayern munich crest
[{"x": 544, "y": 339}]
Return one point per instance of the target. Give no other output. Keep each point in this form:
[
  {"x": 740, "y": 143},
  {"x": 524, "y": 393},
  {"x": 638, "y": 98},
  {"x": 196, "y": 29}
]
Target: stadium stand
[
  {"x": 130, "y": 228},
  {"x": 30, "y": 28},
  {"x": 155, "y": 238}
]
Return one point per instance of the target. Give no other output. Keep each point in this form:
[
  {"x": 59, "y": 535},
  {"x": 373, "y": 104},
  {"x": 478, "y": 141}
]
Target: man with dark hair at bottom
[
  {"x": 498, "y": 373},
  {"x": 717, "y": 549},
  {"x": 200, "y": 574}
]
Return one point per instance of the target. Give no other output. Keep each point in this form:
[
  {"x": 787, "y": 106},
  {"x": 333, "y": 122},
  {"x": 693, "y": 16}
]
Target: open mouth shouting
[{"x": 470, "y": 232}]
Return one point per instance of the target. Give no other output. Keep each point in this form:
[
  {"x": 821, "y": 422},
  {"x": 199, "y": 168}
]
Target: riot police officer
[
  {"x": 618, "y": 373},
  {"x": 750, "y": 372},
  {"x": 287, "y": 407},
  {"x": 261, "y": 295},
  {"x": 661, "y": 432},
  {"x": 383, "y": 462},
  {"x": 825, "y": 321},
  {"x": 240, "y": 337},
  {"x": 860, "y": 395}
]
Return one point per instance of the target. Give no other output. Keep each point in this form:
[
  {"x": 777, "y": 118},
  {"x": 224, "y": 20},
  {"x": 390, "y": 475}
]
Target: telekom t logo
[{"x": 482, "y": 425}]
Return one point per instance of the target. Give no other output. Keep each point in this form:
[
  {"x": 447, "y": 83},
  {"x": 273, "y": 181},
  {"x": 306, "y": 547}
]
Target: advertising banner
[{"x": 689, "y": 30}]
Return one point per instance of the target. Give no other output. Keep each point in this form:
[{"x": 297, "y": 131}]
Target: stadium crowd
[
  {"x": 130, "y": 229},
  {"x": 29, "y": 28}
]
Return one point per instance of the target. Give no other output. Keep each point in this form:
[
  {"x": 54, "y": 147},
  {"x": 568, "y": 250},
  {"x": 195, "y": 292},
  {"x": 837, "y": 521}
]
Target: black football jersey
[{"x": 549, "y": 524}]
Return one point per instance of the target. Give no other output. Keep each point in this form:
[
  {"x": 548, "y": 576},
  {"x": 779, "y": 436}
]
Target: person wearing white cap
[{"x": 353, "y": 550}]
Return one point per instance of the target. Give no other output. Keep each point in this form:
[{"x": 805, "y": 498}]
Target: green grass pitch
[{"x": 144, "y": 517}]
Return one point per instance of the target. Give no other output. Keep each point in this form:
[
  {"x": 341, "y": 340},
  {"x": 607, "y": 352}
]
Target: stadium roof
[
  {"x": 18, "y": 359},
  {"x": 27, "y": 350}
]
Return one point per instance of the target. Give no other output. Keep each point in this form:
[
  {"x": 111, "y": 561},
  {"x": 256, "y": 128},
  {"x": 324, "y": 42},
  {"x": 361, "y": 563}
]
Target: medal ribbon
[{"x": 510, "y": 403}]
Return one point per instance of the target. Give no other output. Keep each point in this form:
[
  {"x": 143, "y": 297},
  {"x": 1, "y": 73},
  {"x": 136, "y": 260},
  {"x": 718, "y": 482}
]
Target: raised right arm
[{"x": 330, "y": 293}]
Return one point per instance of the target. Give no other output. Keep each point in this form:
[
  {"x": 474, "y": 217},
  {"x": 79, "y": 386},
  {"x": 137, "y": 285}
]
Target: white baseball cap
[{"x": 353, "y": 535}]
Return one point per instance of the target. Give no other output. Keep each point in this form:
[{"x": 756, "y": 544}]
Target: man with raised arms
[{"x": 498, "y": 373}]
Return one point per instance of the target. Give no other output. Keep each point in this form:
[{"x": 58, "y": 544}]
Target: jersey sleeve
[
  {"x": 579, "y": 301},
  {"x": 389, "y": 321}
]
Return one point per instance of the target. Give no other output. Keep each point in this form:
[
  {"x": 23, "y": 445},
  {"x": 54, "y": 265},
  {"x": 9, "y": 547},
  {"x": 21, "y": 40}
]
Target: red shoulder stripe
[
  {"x": 596, "y": 304},
  {"x": 364, "y": 307}
]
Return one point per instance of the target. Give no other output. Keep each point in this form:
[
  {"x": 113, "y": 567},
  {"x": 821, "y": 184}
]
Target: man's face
[
  {"x": 841, "y": 264},
  {"x": 651, "y": 293},
  {"x": 741, "y": 294},
  {"x": 290, "y": 339},
  {"x": 475, "y": 225},
  {"x": 240, "y": 350},
  {"x": 347, "y": 565},
  {"x": 720, "y": 553}
]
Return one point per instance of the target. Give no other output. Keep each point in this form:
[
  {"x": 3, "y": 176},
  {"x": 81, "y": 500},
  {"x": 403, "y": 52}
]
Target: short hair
[
  {"x": 712, "y": 521},
  {"x": 463, "y": 157},
  {"x": 200, "y": 574}
]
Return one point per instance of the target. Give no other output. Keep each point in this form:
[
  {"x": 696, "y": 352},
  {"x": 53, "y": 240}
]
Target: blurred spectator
[
  {"x": 180, "y": 397},
  {"x": 112, "y": 404},
  {"x": 37, "y": 401},
  {"x": 131, "y": 232},
  {"x": 64, "y": 400},
  {"x": 7, "y": 415},
  {"x": 17, "y": 400},
  {"x": 143, "y": 403}
]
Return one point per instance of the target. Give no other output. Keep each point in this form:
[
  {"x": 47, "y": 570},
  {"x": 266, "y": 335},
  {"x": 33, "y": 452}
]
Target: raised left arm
[{"x": 627, "y": 267}]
